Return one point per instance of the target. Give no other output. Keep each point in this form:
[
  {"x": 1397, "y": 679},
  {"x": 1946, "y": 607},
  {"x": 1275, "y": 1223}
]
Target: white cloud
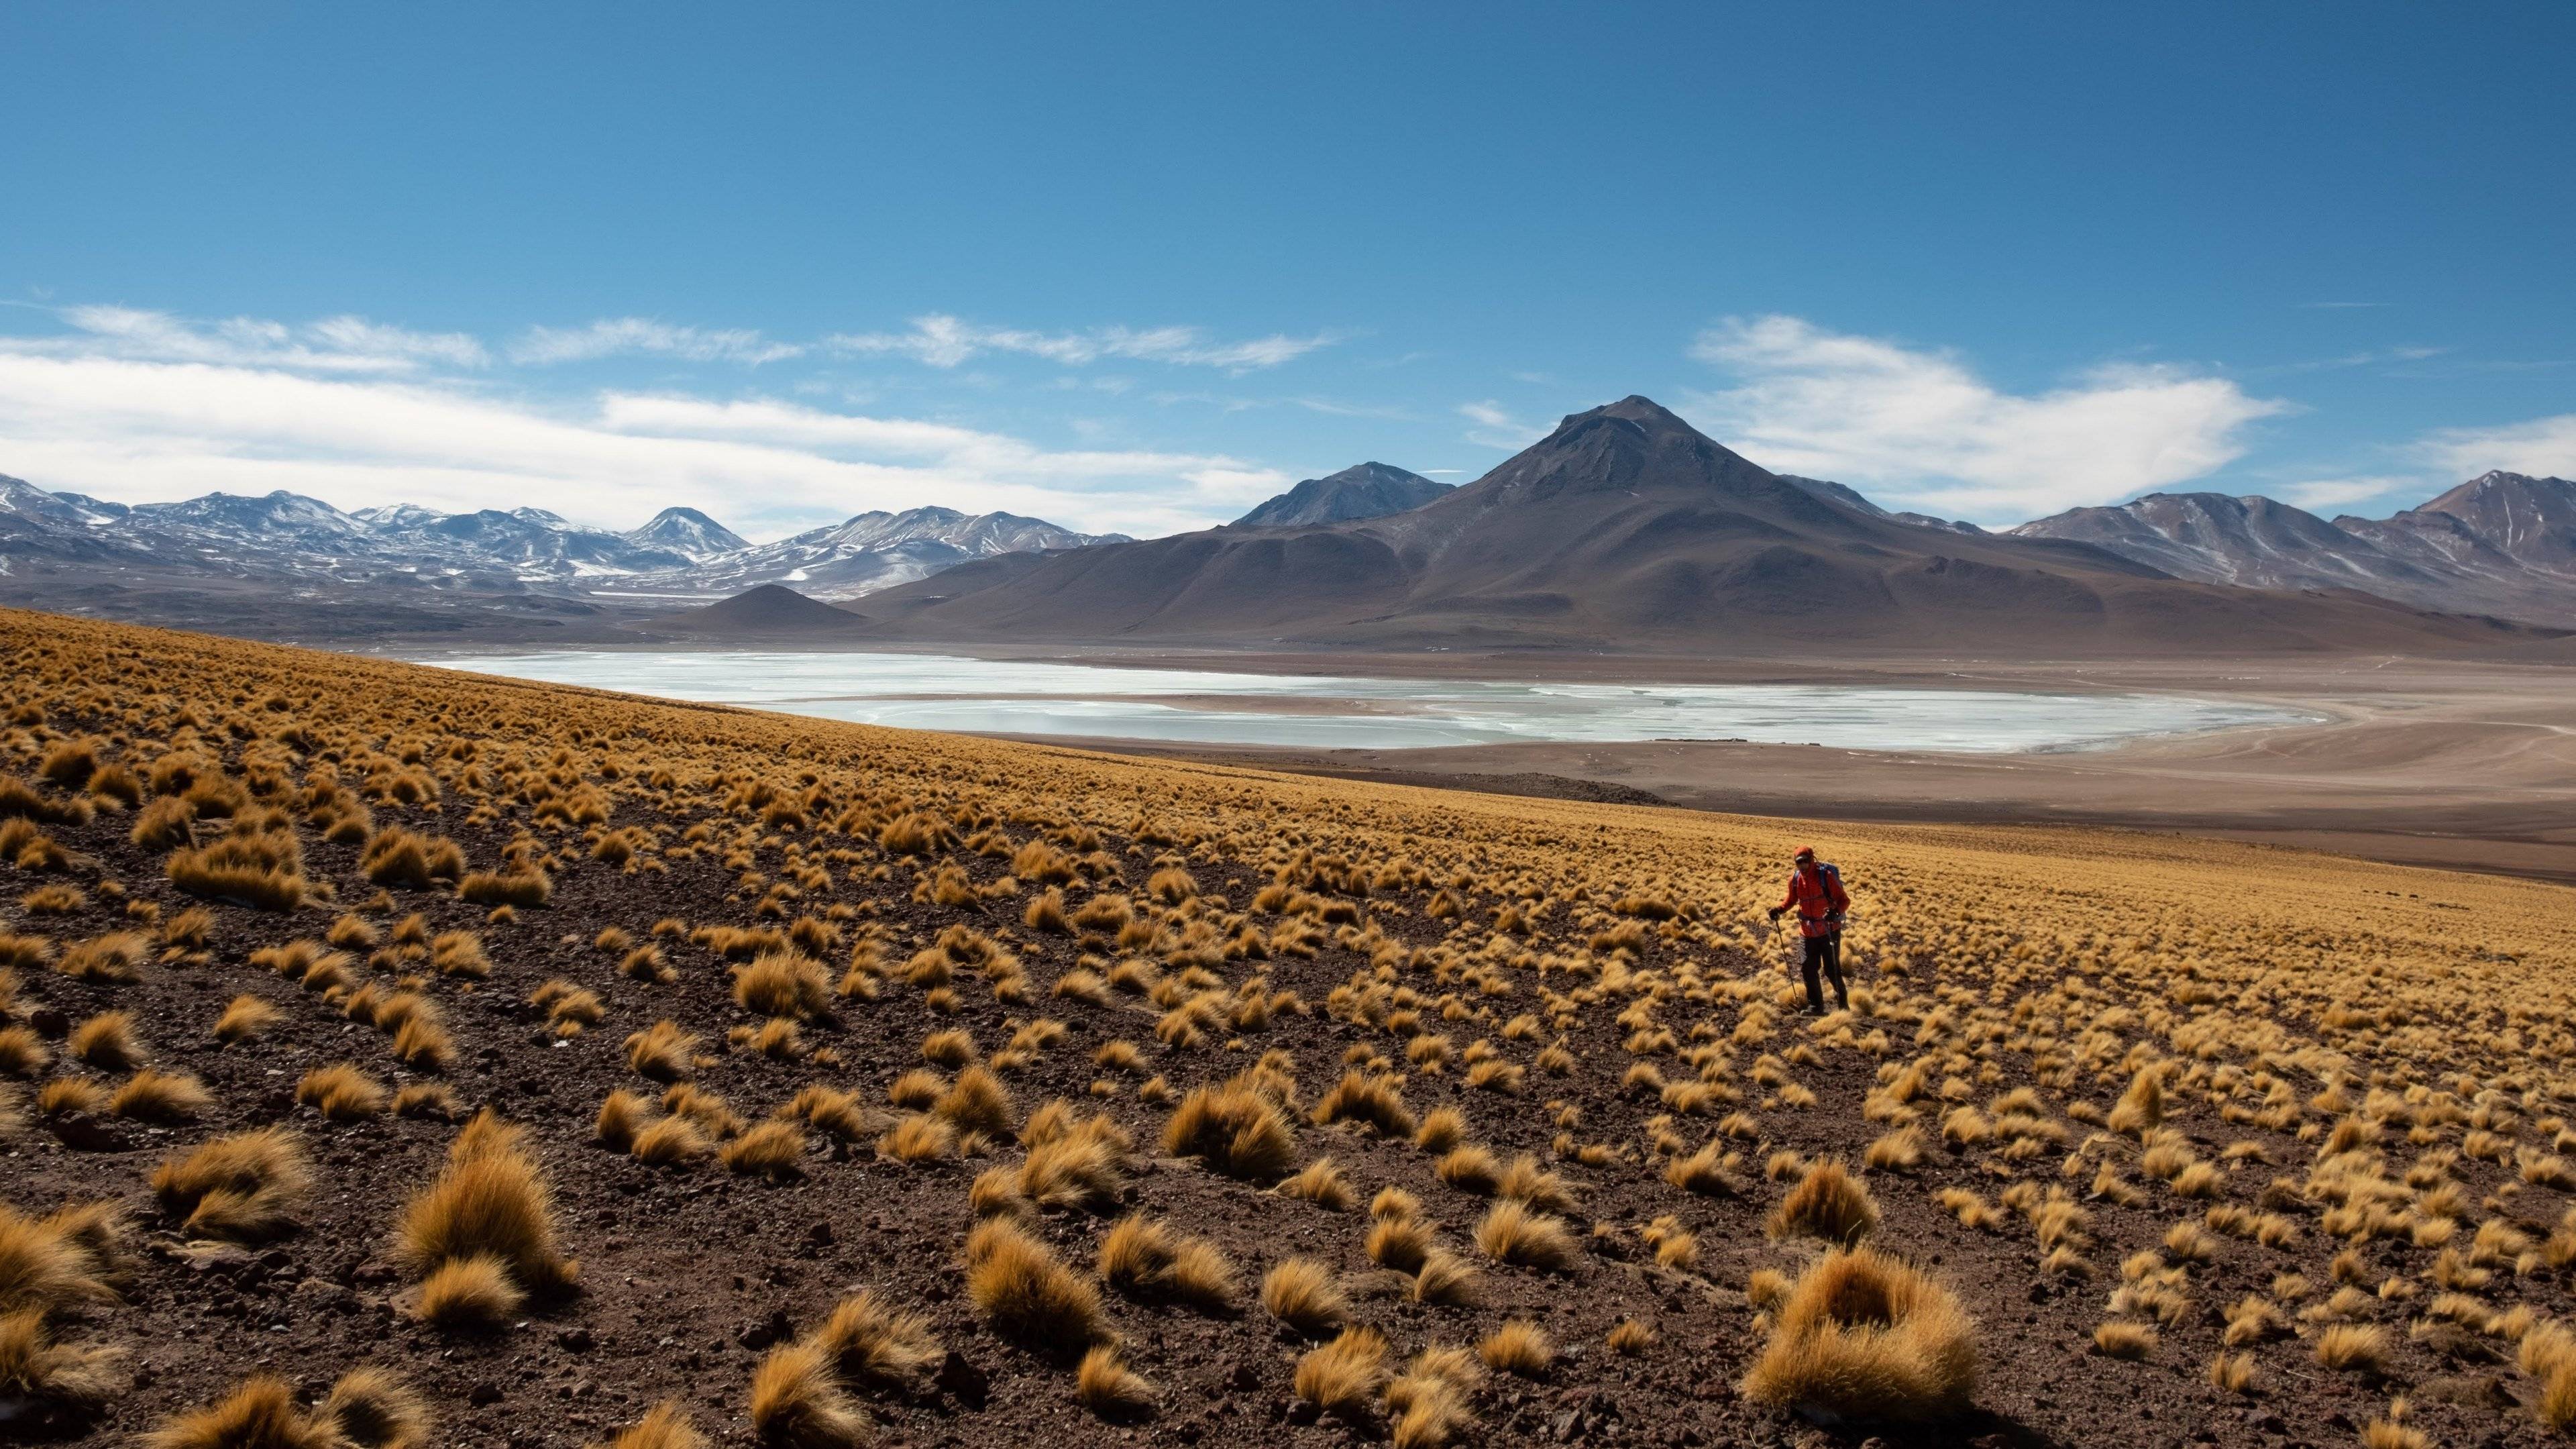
[
  {"x": 2542, "y": 447},
  {"x": 150, "y": 430},
  {"x": 334, "y": 344},
  {"x": 615, "y": 336},
  {"x": 1497, "y": 428},
  {"x": 1919, "y": 430},
  {"x": 2320, "y": 495},
  {"x": 944, "y": 341}
]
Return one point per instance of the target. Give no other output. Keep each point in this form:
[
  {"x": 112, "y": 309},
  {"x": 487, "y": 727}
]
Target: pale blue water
[{"x": 981, "y": 696}]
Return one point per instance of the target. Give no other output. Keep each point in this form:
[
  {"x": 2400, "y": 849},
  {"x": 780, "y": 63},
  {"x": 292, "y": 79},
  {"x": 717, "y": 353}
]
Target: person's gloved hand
[{"x": 1775, "y": 912}]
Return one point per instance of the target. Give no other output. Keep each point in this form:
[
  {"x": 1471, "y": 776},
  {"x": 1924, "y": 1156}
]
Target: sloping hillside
[{"x": 394, "y": 1057}]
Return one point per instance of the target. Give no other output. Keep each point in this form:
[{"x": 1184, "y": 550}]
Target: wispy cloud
[
  {"x": 115, "y": 419},
  {"x": 2321, "y": 494},
  {"x": 2374, "y": 357},
  {"x": 1920, "y": 429},
  {"x": 945, "y": 341},
  {"x": 1495, "y": 427},
  {"x": 2544, "y": 447},
  {"x": 615, "y": 336},
  {"x": 333, "y": 344}
]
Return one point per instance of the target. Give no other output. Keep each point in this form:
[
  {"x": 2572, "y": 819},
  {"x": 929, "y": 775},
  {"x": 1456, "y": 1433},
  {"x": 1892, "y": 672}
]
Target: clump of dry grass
[
  {"x": 66, "y": 1258},
  {"x": 368, "y": 1408},
  {"x": 1236, "y": 1129},
  {"x": 399, "y": 857},
  {"x": 1373, "y": 1101},
  {"x": 1512, "y": 1233},
  {"x": 1301, "y": 1293},
  {"x": 1107, "y": 1387},
  {"x": 1518, "y": 1347},
  {"x": 1025, "y": 1293},
  {"x": 782, "y": 983},
  {"x": 1827, "y": 1203},
  {"x": 772, "y": 1149},
  {"x": 162, "y": 1097},
  {"x": 43, "y": 1378},
  {"x": 1322, "y": 1183},
  {"x": 341, "y": 1092},
  {"x": 1342, "y": 1377},
  {"x": 663, "y": 1052},
  {"x": 1142, "y": 1258},
  {"x": 490, "y": 1203},
  {"x": 664, "y": 1426},
  {"x": 244, "y": 1018},
  {"x": 2122, "y": 1339},
  {"x": 796, "y": 1400},
  {"x": 107, "y": 1041},
  {"x": 1866, "y": 1335},
  {"x": 870, "y": 1340}
]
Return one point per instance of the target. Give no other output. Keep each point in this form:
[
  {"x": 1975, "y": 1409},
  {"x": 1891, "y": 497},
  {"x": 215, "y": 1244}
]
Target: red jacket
[{"x": 1816, "y": 895}]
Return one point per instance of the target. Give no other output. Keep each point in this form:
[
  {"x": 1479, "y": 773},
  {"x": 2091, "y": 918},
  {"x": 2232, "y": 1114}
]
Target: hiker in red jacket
[{"x": 1816, "y": 892}]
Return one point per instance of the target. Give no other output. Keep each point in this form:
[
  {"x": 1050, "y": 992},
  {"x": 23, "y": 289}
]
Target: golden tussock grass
[
  {"x": 1302, "y": 1293},
  {"x": 491, "y": 1200},
  {"x": 1512, "y": 1233},
  {"x": 1828, "y": 1203},
  {"x": 1235, "y": 1129},
  {"x": 797, "y": 1400},
  {"x": 2122, "y": 1339},
  {"x": 475, "y": 1291},
  {"x": 368, "y": 1408},
  {"x": 870, "y": 1340},
  {"x": 43, "y": 1378},
  {"x": 341, "y": 1092},
  {"x": 1142, "y": 1258},
  {"x": 1342, "y": 1377},
  {"x": 1025, "y": 1293},
  {"x": 772, "y": 1149},
  {"x": 669, "y": 1142},
  {"x": 1322, "y": 1183},
  {"x": 782, "y": 983},
  {"x": 1865, "y": 1335},
  {"x": 107, "y": 1040},
  {"x": 1374, "y": 1101},
  {"x": 161, "y": 1097},
  {"x": 663, "y": 1052},
  {"x": 114, "y": 959},
  {"x": 243, "y": 1019},
  {"x": 664, "y": 1426},
  {"x": 1518, "y": 1347},
  {"x": 62, "y": 1260},
  {"x": 1106, "y": 1386}
]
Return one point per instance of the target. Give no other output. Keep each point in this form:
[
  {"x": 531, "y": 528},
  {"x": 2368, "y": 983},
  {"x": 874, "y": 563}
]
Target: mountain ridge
[{"x": 1626, "y": 527}]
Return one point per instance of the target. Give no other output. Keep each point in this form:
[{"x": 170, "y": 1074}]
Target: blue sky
[{"x": 1136, "y": 267}]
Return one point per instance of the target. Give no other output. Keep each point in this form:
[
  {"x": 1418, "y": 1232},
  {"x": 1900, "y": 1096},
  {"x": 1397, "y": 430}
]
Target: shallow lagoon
[{"x": 981, "y": 696}]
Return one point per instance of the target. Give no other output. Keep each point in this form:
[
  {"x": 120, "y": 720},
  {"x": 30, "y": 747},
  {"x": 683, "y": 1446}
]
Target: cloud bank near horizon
[{"x": 142, "y": 405}]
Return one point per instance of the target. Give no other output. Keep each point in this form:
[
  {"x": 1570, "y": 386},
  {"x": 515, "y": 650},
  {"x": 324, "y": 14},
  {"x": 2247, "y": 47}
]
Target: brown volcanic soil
[{"x": 688, "y": 1274}]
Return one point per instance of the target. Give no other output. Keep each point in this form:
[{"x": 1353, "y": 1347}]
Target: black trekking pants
[{"x": 1824, "y": 951}]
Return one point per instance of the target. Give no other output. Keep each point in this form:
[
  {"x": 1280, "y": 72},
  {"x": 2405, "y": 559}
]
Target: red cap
[{"x": 1805, "y": 852}]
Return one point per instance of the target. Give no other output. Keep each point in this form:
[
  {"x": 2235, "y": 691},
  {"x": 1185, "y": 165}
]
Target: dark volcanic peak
[
  {"x": 1627, "y": 528},
  {"x": 2530, "y": 520},
  {"x": 1371, "y": 490},
  {"x": 768, "y": 609}
]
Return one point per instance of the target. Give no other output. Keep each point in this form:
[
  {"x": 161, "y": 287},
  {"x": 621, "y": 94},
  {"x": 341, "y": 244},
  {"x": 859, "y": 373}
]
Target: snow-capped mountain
[
  {"x": 2502, "y": 544},
  {"x": 690, "y": 534},
  {"x": 288, "y": 537},
  {"x": 873, "y": 551}
]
